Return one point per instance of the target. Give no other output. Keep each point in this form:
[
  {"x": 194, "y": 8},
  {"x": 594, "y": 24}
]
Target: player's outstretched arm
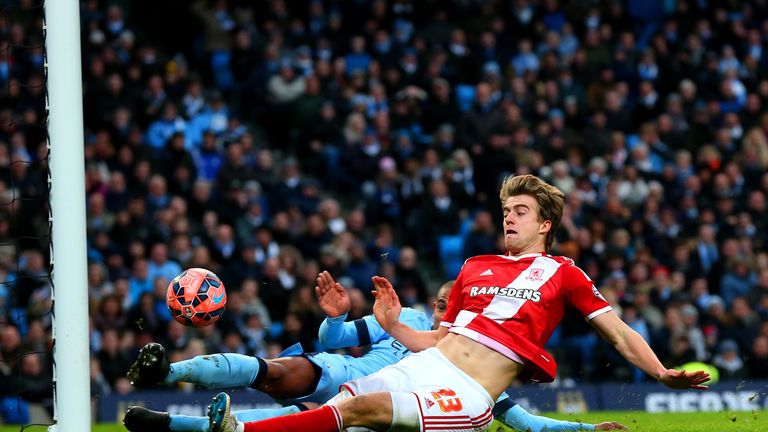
[
  {"x": 387, "y": 310},
  {"x": 333, "y": 299},
  {"x": 516, "y": 418},
  {"x": 634, "y": 348}
]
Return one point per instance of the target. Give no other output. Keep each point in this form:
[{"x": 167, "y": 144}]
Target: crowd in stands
[{"x": 267, "y": 141}]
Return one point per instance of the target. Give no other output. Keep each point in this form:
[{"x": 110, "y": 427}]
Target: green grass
[
  {"x": 672, "y": 422},
  {"x": 636, "y": 421}
]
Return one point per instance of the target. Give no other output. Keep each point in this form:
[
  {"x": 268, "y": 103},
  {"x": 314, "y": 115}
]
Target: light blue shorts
[{"x": 335, "y": 371}]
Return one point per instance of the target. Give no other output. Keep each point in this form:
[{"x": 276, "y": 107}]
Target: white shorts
[{"x": 429, "y": 394}]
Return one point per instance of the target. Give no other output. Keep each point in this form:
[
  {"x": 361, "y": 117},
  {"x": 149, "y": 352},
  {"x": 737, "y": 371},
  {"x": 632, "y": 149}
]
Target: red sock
[{"x": 323, "y": 419}]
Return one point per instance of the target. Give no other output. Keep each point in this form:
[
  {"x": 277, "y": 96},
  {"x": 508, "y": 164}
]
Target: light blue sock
[
  {"x": 215, "y": 371},
  {"x": 521, "y": 420},
  {"x": 182, "y": 423},
  {"x": 265, "y": 413}
]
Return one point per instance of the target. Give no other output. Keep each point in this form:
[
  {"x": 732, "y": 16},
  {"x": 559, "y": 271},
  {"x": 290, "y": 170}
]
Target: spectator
[
  {"x": 146, "y": 316},
  {"x": 159, "y": 264},
  {"x": 481, "y": 239},
  {"x": 742, "y": 325},
  {"x": 113, "y": 362},
  {"x": 207, "y": 157},
  {"x": 110, "y": 314},
  {"x": 273, "y": 294},
  {"x": 214, "y": 117},
  {"x": 223, "y": 244},
  {"x": 440, "y": 212},
  {"x": 410, "y": 283},
  {"x": 162, "y": 130},
  {"x": 252, "y": 303},
  {"x": 37, "y": 379},
  {"x": 140, "y": 282},
  {"x": 728, "y": 362},
  {"x": 483, "y": 118},
  {"x": 10, "y": 347},
  {"x": 314, "y": 237},
  {"x": 99, "y": 385},
  {"x": 737, "y": 280},
  {"x": 98, "y": 283},
  {"x": 757, "y": 362}
]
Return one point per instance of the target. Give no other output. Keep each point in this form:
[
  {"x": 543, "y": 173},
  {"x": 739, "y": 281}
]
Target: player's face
[
  {"x": 441, "y": 304},
  {"x": 523, "y": 231}
]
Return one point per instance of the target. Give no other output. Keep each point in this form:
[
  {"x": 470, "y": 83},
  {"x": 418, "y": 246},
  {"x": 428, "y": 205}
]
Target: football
[{"x": 196, "y": 297}]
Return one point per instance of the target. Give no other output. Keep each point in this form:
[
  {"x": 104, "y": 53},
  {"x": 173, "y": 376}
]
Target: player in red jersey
[{"x": 501, "y": 311}]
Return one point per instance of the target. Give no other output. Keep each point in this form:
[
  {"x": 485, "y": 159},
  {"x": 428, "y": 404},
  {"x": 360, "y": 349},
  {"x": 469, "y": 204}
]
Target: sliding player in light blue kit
[{"x": 301, "y": 381}]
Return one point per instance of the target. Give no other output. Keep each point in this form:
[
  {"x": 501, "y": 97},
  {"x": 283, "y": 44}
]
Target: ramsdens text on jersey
[{"x": 521, "y": 293}]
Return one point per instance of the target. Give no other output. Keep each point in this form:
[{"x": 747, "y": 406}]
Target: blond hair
[
  {"x": 756, "y": 141},
  {"x": 549, "y": 199}
]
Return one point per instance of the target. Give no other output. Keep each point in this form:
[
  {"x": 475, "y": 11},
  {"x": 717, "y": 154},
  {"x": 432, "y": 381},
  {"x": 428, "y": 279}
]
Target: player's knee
[
  {"x": 343, "y": 394},
  {"x": 372, "y": 410},
  {"x": 275, "y": 370}
]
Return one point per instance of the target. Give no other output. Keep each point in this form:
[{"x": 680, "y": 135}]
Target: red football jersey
[{"x": 512, "y": 304}]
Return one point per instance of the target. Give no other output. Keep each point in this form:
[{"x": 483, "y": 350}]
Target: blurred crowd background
[{"x": 269, "y": 140}]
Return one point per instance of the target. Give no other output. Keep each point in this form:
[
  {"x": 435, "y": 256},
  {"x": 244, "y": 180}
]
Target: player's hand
[
  {"x": 331, "y": 296},
  {"x": 387, "y": 307},
  {"x": 683, "y": 380},
  {"x": 610, "y": 426}
]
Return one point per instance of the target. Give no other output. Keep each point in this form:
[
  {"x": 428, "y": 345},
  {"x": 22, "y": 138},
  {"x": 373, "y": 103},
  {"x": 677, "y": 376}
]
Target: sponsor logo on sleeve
[{"x": 597, "y": 293}]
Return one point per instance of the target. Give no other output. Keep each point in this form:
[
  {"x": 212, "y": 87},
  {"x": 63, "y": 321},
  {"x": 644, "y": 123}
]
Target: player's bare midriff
[{"x": 489, "y": 368}]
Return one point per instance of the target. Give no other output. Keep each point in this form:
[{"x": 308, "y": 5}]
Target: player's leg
[
  {"x": 516, "y": 418},
  {"x": 519, "y": 419},
  {"x": 373, "y": 411},
  {"x": 289, "y": 377},
  {"x": 331, "y": 371},
  {"x": 140, "y": 419},
  {"x": 385, "y": 399},
  {"x": 439, "y": 410},
  {"x": 462, "y": 405},
  {"x": 281, "y": 378},
  {"x": 217, "y": 370}
]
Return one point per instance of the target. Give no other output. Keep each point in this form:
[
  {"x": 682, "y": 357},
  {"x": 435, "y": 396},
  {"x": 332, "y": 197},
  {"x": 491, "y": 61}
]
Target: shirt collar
[{"x": 519, "y": 257}]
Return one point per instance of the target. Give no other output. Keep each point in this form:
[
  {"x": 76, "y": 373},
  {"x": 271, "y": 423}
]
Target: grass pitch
[
  {"x": 673, "y": 422},
  {"x": 725, "y": 421}
]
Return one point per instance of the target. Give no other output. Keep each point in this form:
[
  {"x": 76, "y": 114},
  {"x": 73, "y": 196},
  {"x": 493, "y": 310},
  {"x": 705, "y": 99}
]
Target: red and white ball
[{"x": 196, "y": 297}]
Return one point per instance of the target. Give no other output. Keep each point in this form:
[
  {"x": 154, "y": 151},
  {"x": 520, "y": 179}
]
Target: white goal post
[{"x": 72, "y": 393}]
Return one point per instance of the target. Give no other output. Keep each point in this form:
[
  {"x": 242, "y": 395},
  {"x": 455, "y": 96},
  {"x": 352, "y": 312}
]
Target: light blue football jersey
[
  {"x": 336, "y": 369},
  {"x": 385, "y": 350}
]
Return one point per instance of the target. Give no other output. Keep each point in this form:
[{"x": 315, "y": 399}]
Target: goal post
[{"x": 72, "y": 401}]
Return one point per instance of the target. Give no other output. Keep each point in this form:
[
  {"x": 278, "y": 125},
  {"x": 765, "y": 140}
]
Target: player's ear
[{"x": 545, "y": 226}]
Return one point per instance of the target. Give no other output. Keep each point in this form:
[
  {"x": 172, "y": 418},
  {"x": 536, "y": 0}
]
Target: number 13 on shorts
[{"x": 447, "y": 401}]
